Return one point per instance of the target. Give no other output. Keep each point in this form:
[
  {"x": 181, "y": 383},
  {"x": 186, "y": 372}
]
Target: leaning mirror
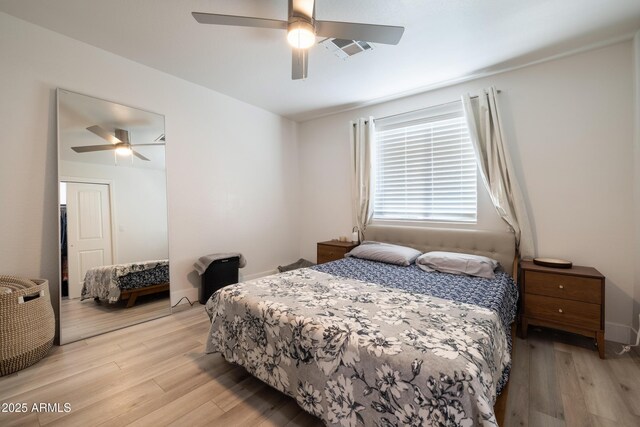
[{"x": 114, "y": 256}]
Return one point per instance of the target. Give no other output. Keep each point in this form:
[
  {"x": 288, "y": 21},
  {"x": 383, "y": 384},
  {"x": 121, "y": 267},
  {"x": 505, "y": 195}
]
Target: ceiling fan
[
  {"x": 302, "y": 29},
  {"x": 118, "y": 142}
]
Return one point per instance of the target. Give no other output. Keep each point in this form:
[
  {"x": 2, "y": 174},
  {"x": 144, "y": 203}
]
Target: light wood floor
[
  {"x": 83, "y": 319},
  {"x": 557, "y": 379},
  {"x": 155, "y": 373}
]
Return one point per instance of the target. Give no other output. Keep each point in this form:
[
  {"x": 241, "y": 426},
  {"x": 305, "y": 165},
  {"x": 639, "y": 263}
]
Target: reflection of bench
[{"x": 132, "y": 294}]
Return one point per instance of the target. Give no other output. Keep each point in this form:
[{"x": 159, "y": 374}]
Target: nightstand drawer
[
  {"x": 562, "y": 286},
  {"x": 564, "y": 311},
  {"x": 330, "y": 253}
]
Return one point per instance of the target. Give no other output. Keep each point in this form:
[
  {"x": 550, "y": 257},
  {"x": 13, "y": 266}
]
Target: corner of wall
[
  {"x": 617, "y": 332},
  {"x": 636, "y": 180}
]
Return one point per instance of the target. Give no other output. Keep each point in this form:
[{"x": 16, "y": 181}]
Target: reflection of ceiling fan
[
  {"x": 302, "y": 28},
  {"x": 119, "y": 142}
]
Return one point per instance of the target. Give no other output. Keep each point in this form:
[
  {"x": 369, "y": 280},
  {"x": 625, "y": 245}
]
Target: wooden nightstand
[
  {"x": 569, "y": 299},
  {"x": 333, "y": 250}
]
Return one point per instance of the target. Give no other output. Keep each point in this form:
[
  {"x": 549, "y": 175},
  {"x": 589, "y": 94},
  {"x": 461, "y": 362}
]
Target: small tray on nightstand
[{"x": 553, "y": 262}]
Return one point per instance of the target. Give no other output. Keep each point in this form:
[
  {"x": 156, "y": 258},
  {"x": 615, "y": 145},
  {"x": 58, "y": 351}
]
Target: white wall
[
  {"x": 232, "y": 167},
  {"x": 139, "y": 208},
  {"x": 569, "y": 125}
]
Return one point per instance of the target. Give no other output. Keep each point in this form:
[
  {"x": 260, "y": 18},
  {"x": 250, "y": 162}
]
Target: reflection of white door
[{"x": 88, "y": 231}]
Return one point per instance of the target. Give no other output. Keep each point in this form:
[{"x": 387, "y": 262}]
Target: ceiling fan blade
[
  {"x": 299, "y": 64},
  {"x": 385, "y": 34},
  {"x": 306, "y": 8},
  {"x": 140, "y": 156},
  {"x": 90, "y": 148},
  {"x": 241, "y": 21},
  {"x": 158, "y": 144},
  {"x": 103, "y": 134}
]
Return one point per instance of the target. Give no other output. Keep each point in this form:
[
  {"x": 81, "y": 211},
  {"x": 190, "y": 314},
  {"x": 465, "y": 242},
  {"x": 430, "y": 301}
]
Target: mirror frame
[{"x": 60, "y": 178}]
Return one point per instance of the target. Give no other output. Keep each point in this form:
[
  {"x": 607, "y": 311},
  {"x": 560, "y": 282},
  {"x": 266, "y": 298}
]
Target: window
[{"x": 425, "y": 167}]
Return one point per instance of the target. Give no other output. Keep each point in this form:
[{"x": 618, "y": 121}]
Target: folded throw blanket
[{"x": 204, "y": 261}]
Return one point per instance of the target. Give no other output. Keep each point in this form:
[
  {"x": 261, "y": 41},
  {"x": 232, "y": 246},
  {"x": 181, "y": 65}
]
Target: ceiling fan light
[
  {"x": 124, "y": 151},
  {"x": 301, "y": 35}
]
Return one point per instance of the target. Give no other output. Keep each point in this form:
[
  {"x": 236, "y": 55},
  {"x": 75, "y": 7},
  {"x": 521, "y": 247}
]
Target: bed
[
  {"x": 357, "y": 342},
  {"x": 128, "y": 281}
]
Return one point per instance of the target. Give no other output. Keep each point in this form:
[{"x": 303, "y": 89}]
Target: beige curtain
[
  {"x": 494, "y": 162},
  {"x": 362, "y": 134}
]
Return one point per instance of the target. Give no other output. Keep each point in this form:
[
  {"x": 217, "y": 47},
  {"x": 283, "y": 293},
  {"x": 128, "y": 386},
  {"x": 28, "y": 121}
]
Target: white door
[{"x": 88, "y": 231}]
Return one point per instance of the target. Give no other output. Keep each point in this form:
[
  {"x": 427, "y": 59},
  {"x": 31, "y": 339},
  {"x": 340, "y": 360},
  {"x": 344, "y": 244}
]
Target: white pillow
[
  {"x": 457, "y": 263},
  {"x": 385, "y": 252}
]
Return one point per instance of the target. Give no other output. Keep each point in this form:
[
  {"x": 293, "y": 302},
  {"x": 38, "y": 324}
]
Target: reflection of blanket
[
  {"x": 108, "y": 281},
  {"x": 356, "y": 353}
]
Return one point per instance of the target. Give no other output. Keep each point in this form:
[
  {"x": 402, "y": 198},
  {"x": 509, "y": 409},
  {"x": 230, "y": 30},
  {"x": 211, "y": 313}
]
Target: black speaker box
[{"x": 220, "y": 273}]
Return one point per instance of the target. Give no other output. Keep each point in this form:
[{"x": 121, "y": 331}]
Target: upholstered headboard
[{"x": 498, "y": 245}]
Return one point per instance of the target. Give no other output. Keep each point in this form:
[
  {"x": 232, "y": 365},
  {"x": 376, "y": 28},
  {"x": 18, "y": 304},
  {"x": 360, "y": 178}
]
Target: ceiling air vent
[{"x": 345, "y": 48}]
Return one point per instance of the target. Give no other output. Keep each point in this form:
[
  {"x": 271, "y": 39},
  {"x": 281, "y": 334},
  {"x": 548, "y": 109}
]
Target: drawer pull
[
  {"x": 560, "y": 286},
  {"x": 560, "y": 310}
]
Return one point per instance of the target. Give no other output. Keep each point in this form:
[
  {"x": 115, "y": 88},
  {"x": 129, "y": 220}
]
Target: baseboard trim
[
  {"x": 244, "y": 278},
  {"x": 617, "y": 332}
]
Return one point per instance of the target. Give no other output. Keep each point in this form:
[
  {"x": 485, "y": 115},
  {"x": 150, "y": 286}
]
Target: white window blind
[{"x": 424, "y": 167}]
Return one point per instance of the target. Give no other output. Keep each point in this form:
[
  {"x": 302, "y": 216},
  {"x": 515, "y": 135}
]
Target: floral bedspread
[
  {"x": 499, "y": 294},
  {"x": 108, "y": 281},
  {"x": 356, "y": 353}
]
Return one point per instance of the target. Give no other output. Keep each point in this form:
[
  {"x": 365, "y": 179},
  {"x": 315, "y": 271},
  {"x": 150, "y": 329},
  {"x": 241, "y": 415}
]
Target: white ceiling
[{"x": 444, "y": 40}]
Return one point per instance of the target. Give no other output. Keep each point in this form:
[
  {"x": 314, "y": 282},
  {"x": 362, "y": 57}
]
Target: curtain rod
[{"x": 419, "y": 109}]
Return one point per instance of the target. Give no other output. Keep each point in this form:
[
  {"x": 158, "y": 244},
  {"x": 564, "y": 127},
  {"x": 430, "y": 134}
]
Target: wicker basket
[{"x": 27, "y": 323}]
